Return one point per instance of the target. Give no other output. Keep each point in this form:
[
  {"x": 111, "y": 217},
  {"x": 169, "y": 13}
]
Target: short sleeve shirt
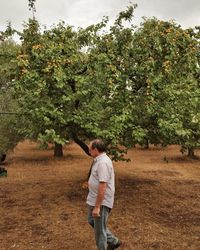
[{"x": 102, "y": 171}]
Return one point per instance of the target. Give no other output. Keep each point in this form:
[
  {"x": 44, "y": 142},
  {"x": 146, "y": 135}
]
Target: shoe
[{"x": 112, "y": 247}]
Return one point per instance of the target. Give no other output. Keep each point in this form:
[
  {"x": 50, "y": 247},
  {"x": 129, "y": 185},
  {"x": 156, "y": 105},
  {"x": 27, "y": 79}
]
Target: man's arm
[{"x": 100, "y": 197}]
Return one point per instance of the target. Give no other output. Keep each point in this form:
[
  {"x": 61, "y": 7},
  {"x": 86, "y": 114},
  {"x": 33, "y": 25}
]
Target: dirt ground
[{"x": 42, "y": 202}]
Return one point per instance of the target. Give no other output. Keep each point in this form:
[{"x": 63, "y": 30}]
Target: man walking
[{"x": 101, "y": 196}]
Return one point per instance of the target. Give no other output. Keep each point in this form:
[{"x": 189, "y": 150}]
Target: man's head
[{"x": 96, "y": 147}]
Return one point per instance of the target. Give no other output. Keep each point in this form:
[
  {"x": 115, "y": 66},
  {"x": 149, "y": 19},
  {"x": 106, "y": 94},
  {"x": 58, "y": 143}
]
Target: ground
[{"x": 157, "y": 203}]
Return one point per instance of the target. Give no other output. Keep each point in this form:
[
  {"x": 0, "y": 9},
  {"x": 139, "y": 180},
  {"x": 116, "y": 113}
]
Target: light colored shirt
[{"x": 102, "y": 171}]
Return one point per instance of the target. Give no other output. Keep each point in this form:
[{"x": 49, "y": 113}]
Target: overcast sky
[{"x": 81, "y": 13}]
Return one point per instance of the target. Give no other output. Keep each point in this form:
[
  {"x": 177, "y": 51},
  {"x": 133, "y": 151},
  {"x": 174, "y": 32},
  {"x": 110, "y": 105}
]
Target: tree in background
[
  {"x": 162, "y": 68},
  {"x": 9, "y": 134},
  {"x": 183, "y": 119}
]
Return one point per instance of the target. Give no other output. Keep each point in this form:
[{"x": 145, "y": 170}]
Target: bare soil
[{"x": 42, "y": 202}]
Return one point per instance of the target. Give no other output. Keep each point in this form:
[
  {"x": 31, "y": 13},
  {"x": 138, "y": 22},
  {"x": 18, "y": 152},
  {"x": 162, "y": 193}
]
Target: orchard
[{"x": 126, "y": 84}]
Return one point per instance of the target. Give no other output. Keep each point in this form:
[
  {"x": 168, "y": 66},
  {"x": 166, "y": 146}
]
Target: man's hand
[
  {"x": 85, "y": 185},
  {"x": 96, "y": 212},
  {"x": 100, "y": 197}
]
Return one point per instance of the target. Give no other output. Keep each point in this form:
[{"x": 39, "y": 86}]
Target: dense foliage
[
  {"x": 9, "y": 123},
  {"x": 125, "y": 84},
  {"x": 164, "y": 72}
]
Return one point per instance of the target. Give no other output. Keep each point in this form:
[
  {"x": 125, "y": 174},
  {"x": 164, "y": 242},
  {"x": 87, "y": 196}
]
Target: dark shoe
[{"x": 112, "y": 247}]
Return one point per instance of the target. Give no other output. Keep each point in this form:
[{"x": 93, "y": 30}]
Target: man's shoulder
[{"x": 105, "y": 159}]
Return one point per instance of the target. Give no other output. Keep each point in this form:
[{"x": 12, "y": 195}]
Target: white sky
[{"x": 81, "y": 13}]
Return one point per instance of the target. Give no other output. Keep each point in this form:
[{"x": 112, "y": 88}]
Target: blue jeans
[{"x": 103, "y": 235}]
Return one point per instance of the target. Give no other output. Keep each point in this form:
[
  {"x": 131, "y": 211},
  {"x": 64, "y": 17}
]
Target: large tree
[{"x": 64, "y": 85}]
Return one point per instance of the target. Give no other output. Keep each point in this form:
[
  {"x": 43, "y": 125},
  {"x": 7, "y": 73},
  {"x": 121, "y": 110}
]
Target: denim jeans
[{"x": 103, "y": 235}]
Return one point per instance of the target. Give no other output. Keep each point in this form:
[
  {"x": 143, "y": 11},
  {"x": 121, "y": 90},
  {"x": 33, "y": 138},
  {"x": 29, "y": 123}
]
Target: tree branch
[{"x": 81, "y": 143}]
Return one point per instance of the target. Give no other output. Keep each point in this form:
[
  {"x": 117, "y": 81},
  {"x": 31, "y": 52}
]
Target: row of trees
[{"x": 125, "y": 84}]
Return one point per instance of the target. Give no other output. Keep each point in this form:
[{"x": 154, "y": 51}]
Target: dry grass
[{"x": 157, "y": 203}]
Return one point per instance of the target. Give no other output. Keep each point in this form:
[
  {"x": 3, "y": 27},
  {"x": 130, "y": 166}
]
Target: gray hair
[{"x": 99, "y": 145}]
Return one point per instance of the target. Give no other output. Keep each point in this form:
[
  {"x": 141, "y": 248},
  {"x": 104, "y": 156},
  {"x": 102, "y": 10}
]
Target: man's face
[{"x": 93, "y": 151}]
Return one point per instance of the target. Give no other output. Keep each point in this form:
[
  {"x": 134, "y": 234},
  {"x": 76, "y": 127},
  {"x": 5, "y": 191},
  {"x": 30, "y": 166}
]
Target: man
[{"x": 101, "y": 196}]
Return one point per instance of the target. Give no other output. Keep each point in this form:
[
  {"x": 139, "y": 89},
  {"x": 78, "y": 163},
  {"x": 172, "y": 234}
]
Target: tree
[
  {"x": 51, "y": 83},
  {"x": 163, "y": 75},
  {"x": 9, "y": 136}
]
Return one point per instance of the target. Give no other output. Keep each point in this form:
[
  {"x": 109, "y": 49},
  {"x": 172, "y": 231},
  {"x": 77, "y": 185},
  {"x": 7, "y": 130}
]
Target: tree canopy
[{"x": 126, "y": 84}]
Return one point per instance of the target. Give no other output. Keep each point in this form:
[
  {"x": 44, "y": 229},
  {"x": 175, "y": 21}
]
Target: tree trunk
[
  {"x": 58, "y": 150},
  {"x": 191, "y": 153},
  {"x": 146, "y": 144},
  {"x": 2, "y": 157},
  {"x": 80, "y": 143}
]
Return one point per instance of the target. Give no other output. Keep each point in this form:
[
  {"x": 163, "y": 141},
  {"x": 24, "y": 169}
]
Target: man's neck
[{"x": 101, "y": 153}]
